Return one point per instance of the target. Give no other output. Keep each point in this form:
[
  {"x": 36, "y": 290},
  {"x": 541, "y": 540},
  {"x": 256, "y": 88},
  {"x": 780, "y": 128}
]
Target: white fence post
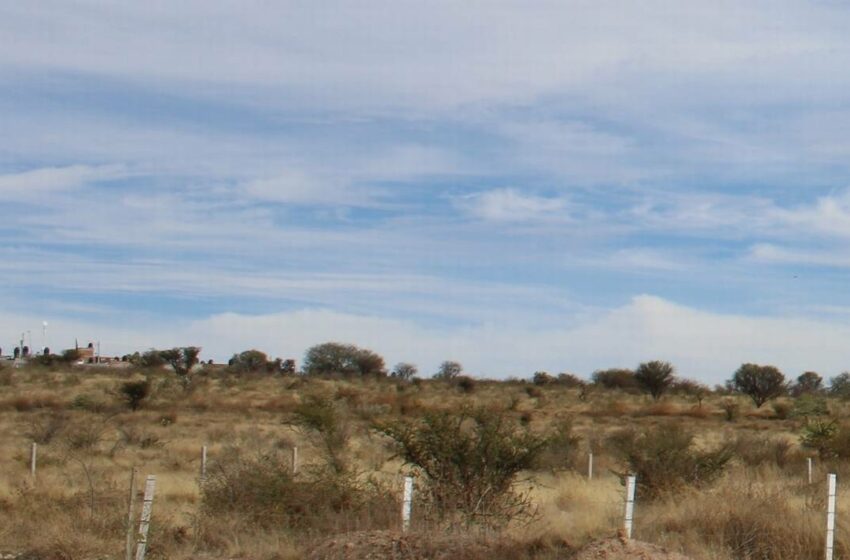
[
  {"x": 809, "y": 468},
  {"x": 33, "y": 458},
  {"x": 830, "y": 515},
  {"x": 630, "y": 505},
  {"x": 145, "y": 519},
  {"x": 128, "y": 551},
  {"x": 203, "y": 464},
  {"x": 590, "y": 466},
  {"x": 294, "y": 459},
  {"x": 406, "y": 504}
]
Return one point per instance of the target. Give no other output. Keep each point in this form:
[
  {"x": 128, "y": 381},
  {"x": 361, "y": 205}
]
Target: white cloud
[{"x": 511, "y": 205}]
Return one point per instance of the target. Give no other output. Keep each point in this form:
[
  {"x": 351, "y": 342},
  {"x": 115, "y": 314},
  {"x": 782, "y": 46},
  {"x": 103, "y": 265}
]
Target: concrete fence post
[
  {"x": 33, "y": 458},
  {"x": 830, "y": 515},
  {"x": 131, "y": 502},
  {"x": 631, "y": 484},
  {"x": 406, "y": 504},
  {"x": 590, "y": 466},
  {"x": 145, "y": 519}
]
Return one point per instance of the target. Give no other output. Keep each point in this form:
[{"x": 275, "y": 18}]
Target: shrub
[
  {"x": 262, "y": 491},
  {"x": 665, "y": 459},
  {"x": 135, "y": 392},
  {"x": 830, "y": 439},
  {"x": 542, "y": 378},
  {"x": 465, "y": 383},
  {"x": 731, "y": 409},
  {"x": 470, "y": 461},
  {"x": 319, "y": 417}
]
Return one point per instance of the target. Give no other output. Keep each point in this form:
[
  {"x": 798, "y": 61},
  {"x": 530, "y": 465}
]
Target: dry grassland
[{"x": 88, "y": 442}]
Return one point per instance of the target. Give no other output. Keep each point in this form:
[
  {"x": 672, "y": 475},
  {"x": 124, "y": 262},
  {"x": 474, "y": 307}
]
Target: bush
[
  {"x": 449, "y": 370},
  {"x": 135, "y": 392},
  {"x": 470, "y": 461},
  {"x": 665, "y": 459},
  {"x": 319, "y": 417}
]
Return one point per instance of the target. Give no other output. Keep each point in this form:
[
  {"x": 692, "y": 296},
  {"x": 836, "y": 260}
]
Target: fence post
[
  {"x": 590, "y": 466},
  {"x": 145, "y": 519},
  {"x": 830, "y": 515},
  {"x": 294, "y": 459},
  {"x": 630, "y": 505},
  {"x": 33, "y": 458},
  {"x": 406, "y": 504},
  {"x": 128, "y": 550},
  {"x": 203, "y": 464},
  {"x": 809, "y": 468}
]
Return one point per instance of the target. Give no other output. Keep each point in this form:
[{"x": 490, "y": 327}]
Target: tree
[
  {"x": 287, "y": 366},
  {"x": 449, "y": 370},
  {"x": 839, "y": 386},
  {"x": 542, "y": 378},
  {"x": 404, "y": 371},
  {"x": 615, "y": 378},
  {"x": 182, "y": 360},
  {"x": 760, "y": 383},
  {"x": 251, "y": 361},
  {"x": 808, "y": 383},
  {"x": 134, "y": 392},
  {"x": 655, "y": 377},
  {"x": 334, "y": 358}
]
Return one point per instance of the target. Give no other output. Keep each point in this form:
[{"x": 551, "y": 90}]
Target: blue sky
[{"x": 518, "y": 186}]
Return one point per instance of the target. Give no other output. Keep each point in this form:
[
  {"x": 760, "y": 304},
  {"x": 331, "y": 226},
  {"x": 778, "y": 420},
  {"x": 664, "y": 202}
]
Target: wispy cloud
[
  {"x": 511, "y": 205},
  {"x": 38, "y": 182}
]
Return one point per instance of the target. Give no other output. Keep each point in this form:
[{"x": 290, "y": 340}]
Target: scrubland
[{"x": 750, "y": 500}]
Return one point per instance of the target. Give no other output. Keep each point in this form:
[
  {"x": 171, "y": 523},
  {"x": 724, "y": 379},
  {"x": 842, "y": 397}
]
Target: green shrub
[
  {"x": 665, "y": 459},
  {"x": 320, "y": 418},
  {"x": 470, "y": 461}
]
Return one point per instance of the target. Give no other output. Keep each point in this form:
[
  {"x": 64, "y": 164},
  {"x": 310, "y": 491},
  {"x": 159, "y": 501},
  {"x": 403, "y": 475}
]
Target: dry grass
[{"x": 89, "y": 441}]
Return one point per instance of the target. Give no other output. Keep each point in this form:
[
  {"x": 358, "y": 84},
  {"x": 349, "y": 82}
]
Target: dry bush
[
  {"x": 665, "y": 459},
  {"x": 665, "y": 408},
  {"x": 756, "y": 451},
  {"x": 740, "y": 519},
  {"x": 43, "y": 429},
  {"x": 260, "y": 490}
]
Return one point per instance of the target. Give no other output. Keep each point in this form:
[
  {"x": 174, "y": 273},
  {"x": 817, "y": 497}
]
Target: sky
[{"x": 518, "y": 186}]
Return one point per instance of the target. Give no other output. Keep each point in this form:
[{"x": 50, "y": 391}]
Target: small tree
[
  {"x": 404, "y": 371},
  {"x": 655, "y": 377},
  {"x": 760, "y": 383},
  {"x": 250, "y": 361},
  {"x": 615, "y": 378},
  {"x": 839, "y": 386},
  {"x": 135, "y": 392},
  {"x": 449, "y": 370},
  {"x": 182, "y": 360},
  {"x": 334, "y": 358},
  {"x": 808, "y": 383}
]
